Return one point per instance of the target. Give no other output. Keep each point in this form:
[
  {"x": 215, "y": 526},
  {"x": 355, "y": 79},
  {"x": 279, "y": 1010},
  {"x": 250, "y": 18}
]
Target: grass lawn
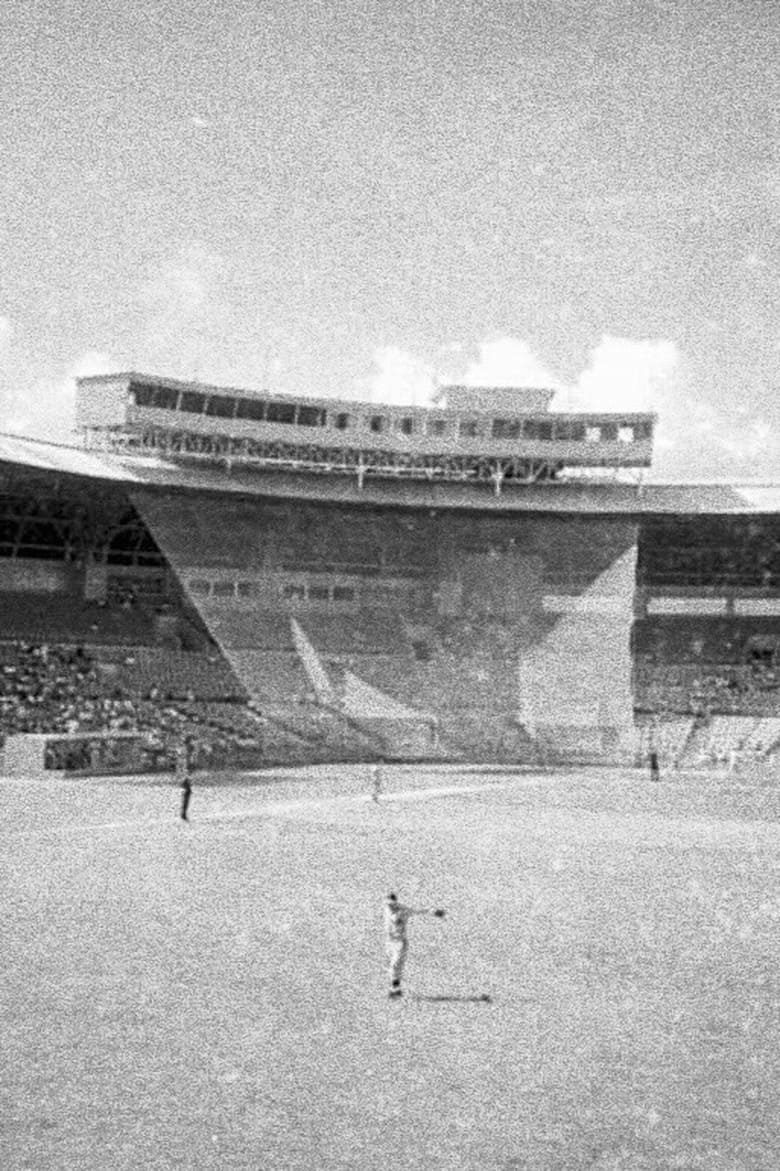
[{"x": 213, "y": 995}]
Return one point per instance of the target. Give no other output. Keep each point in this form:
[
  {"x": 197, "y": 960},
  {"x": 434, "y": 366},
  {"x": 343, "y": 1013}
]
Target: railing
[{"x": 253, "y": 454}]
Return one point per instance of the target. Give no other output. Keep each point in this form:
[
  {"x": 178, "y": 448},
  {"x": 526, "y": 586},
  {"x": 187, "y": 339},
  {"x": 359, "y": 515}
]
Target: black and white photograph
[{"x": 390, "y": 585}]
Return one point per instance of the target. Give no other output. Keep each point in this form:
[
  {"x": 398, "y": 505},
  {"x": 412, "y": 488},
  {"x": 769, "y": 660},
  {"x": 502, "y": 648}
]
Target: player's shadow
[{"x": 443, "y": 999}]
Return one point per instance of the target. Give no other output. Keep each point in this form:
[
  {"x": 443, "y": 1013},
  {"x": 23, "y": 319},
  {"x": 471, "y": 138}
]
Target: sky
[{"x": 372, "y": 199}]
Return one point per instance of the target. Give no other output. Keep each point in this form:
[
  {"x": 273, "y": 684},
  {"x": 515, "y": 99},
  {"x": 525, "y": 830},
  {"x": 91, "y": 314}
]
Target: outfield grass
[{"x": 214, "y": 995}]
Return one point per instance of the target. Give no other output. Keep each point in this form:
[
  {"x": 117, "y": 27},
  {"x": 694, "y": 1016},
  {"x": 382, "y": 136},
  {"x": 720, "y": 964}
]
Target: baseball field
[{"x": 213, "y": 994}]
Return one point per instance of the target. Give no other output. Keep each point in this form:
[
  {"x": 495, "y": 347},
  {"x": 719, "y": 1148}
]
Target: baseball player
[
  {"x": 655, "y": 771},
  {"x": 396, "y": 942},
  {"x": 186, "y": 793},
  {"x": 182, "y": 773},
  {"x": 377, "y": 778}
]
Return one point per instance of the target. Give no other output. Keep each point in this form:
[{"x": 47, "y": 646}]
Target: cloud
[
  {"x": 648, "y": 374},
  {"x": 14, "y": 372},
  {"x": 753, "y": 443},
  {"x": 59, "y": 398},
  {"x": 180, "y": 307},
  {"x": 694, "y": 439},
  {"x": 179, "y": 289},
  {"x": 624, "y": 374},
  {"x": 399, "y": 377},
  {"x": 639, "y": 374},
  {"x": 91, "y": 362},
  {"x": 6, "y": 333},
  {"x": 44, "y": 407},
  {"x": 508, "y": 362}
]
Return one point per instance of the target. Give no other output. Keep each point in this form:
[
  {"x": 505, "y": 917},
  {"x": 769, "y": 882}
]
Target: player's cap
[{"x": 391, "y": 898}]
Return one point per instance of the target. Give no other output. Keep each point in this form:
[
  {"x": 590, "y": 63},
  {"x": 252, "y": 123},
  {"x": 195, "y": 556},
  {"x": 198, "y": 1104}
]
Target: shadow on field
[{"x": 483, "y": 999}]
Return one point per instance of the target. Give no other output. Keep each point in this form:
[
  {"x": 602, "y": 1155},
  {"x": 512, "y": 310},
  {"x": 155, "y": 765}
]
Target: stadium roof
[
  {"x": 57, "y": 458},
  {"x": 711, "y": 498},
  {"x": 22, "y": 455}
]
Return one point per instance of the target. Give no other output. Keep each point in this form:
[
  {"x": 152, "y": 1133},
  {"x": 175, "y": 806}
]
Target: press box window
[
  {"x": 318, "y": 593},
  {"x": 200, "y": 586},
  {"x": 156, "y": 396},
  {"x": 192, "y": 401},
  {"x": 143, "y": 395},
  {"x": 569, "y": 429},
  {"x": 376, "y": 423},
  {"x": 245, "y": 589},
  {"x": 166, "y": 398},
  {"x": 342, "y": 422},
  {"x": 469, "y": 429},
  {"x": 294, "y": 593},
  {"x": 506, "y": 428},
  {"x": 248, "y": 409},
  {"x": 221, "y": 407},
  {"x": 224, "y": 589},
  {"x": 311, "y": 416},
  {"x": 437, "y": 427},
  {"x": 281, "y": 413},
  {"x": 343, "y": 594}
]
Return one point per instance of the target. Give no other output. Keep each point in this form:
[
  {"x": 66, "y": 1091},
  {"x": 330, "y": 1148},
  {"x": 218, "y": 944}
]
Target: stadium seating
[
  {"x": 362, "y": 633},
  {"x": 251, "y": 630},
  {"x": 718, "y": 741},
  {"x": 140, "y": 671},
  {"x": 56, "y": 618},
  {"x": 706, "y": 689},
  {"x": 171, "y": 697},
  {"x": 668, "y": 737},
  {"x": 731, "y": 742},
  {"x": 277, "y": 678},
  {"x": 763, "y": 738},
  {"x": 709, "y": 550},
  {"x": 463, "y": 683},
  {"x": 723, "y": 742}
]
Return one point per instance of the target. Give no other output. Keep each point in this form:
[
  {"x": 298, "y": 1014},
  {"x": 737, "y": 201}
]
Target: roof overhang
[{"x": 62, "y": 460}]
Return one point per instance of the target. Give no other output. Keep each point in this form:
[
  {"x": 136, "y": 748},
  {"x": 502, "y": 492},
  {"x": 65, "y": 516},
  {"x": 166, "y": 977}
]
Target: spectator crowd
[
  {"x": 60, "y": 690},
  {"x": 707, "y": 689}
]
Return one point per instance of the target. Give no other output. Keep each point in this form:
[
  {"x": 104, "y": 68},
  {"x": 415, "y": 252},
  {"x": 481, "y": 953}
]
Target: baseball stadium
[{"x": 432, "y": 650}]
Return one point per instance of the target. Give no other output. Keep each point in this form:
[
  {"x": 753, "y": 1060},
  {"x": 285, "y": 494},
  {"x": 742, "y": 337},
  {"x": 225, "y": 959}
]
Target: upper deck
[{"x": 492, "y": 436}]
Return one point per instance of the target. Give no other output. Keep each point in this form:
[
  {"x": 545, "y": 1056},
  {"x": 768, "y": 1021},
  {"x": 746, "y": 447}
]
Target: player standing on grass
[
  {"x": 396, "y": 941},
  {"x": 655, "y": 772},
  {"x": 186, "y": 793},
  {"x": 185, "y": 784},
  {"x": 377, "y": 777}
]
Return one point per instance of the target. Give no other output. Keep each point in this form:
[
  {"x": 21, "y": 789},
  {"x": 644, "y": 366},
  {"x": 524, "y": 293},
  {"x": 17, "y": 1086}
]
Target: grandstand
[{"x": 477, "y": 581}]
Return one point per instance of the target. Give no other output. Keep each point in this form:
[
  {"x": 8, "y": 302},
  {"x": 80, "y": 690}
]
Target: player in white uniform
[
  {"x": 396, "y": 941},
  {"x": 377, "y": 780}
]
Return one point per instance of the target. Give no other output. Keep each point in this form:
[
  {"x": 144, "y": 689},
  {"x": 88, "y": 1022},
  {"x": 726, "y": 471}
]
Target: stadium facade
[{"x": 483, "y": 579}]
